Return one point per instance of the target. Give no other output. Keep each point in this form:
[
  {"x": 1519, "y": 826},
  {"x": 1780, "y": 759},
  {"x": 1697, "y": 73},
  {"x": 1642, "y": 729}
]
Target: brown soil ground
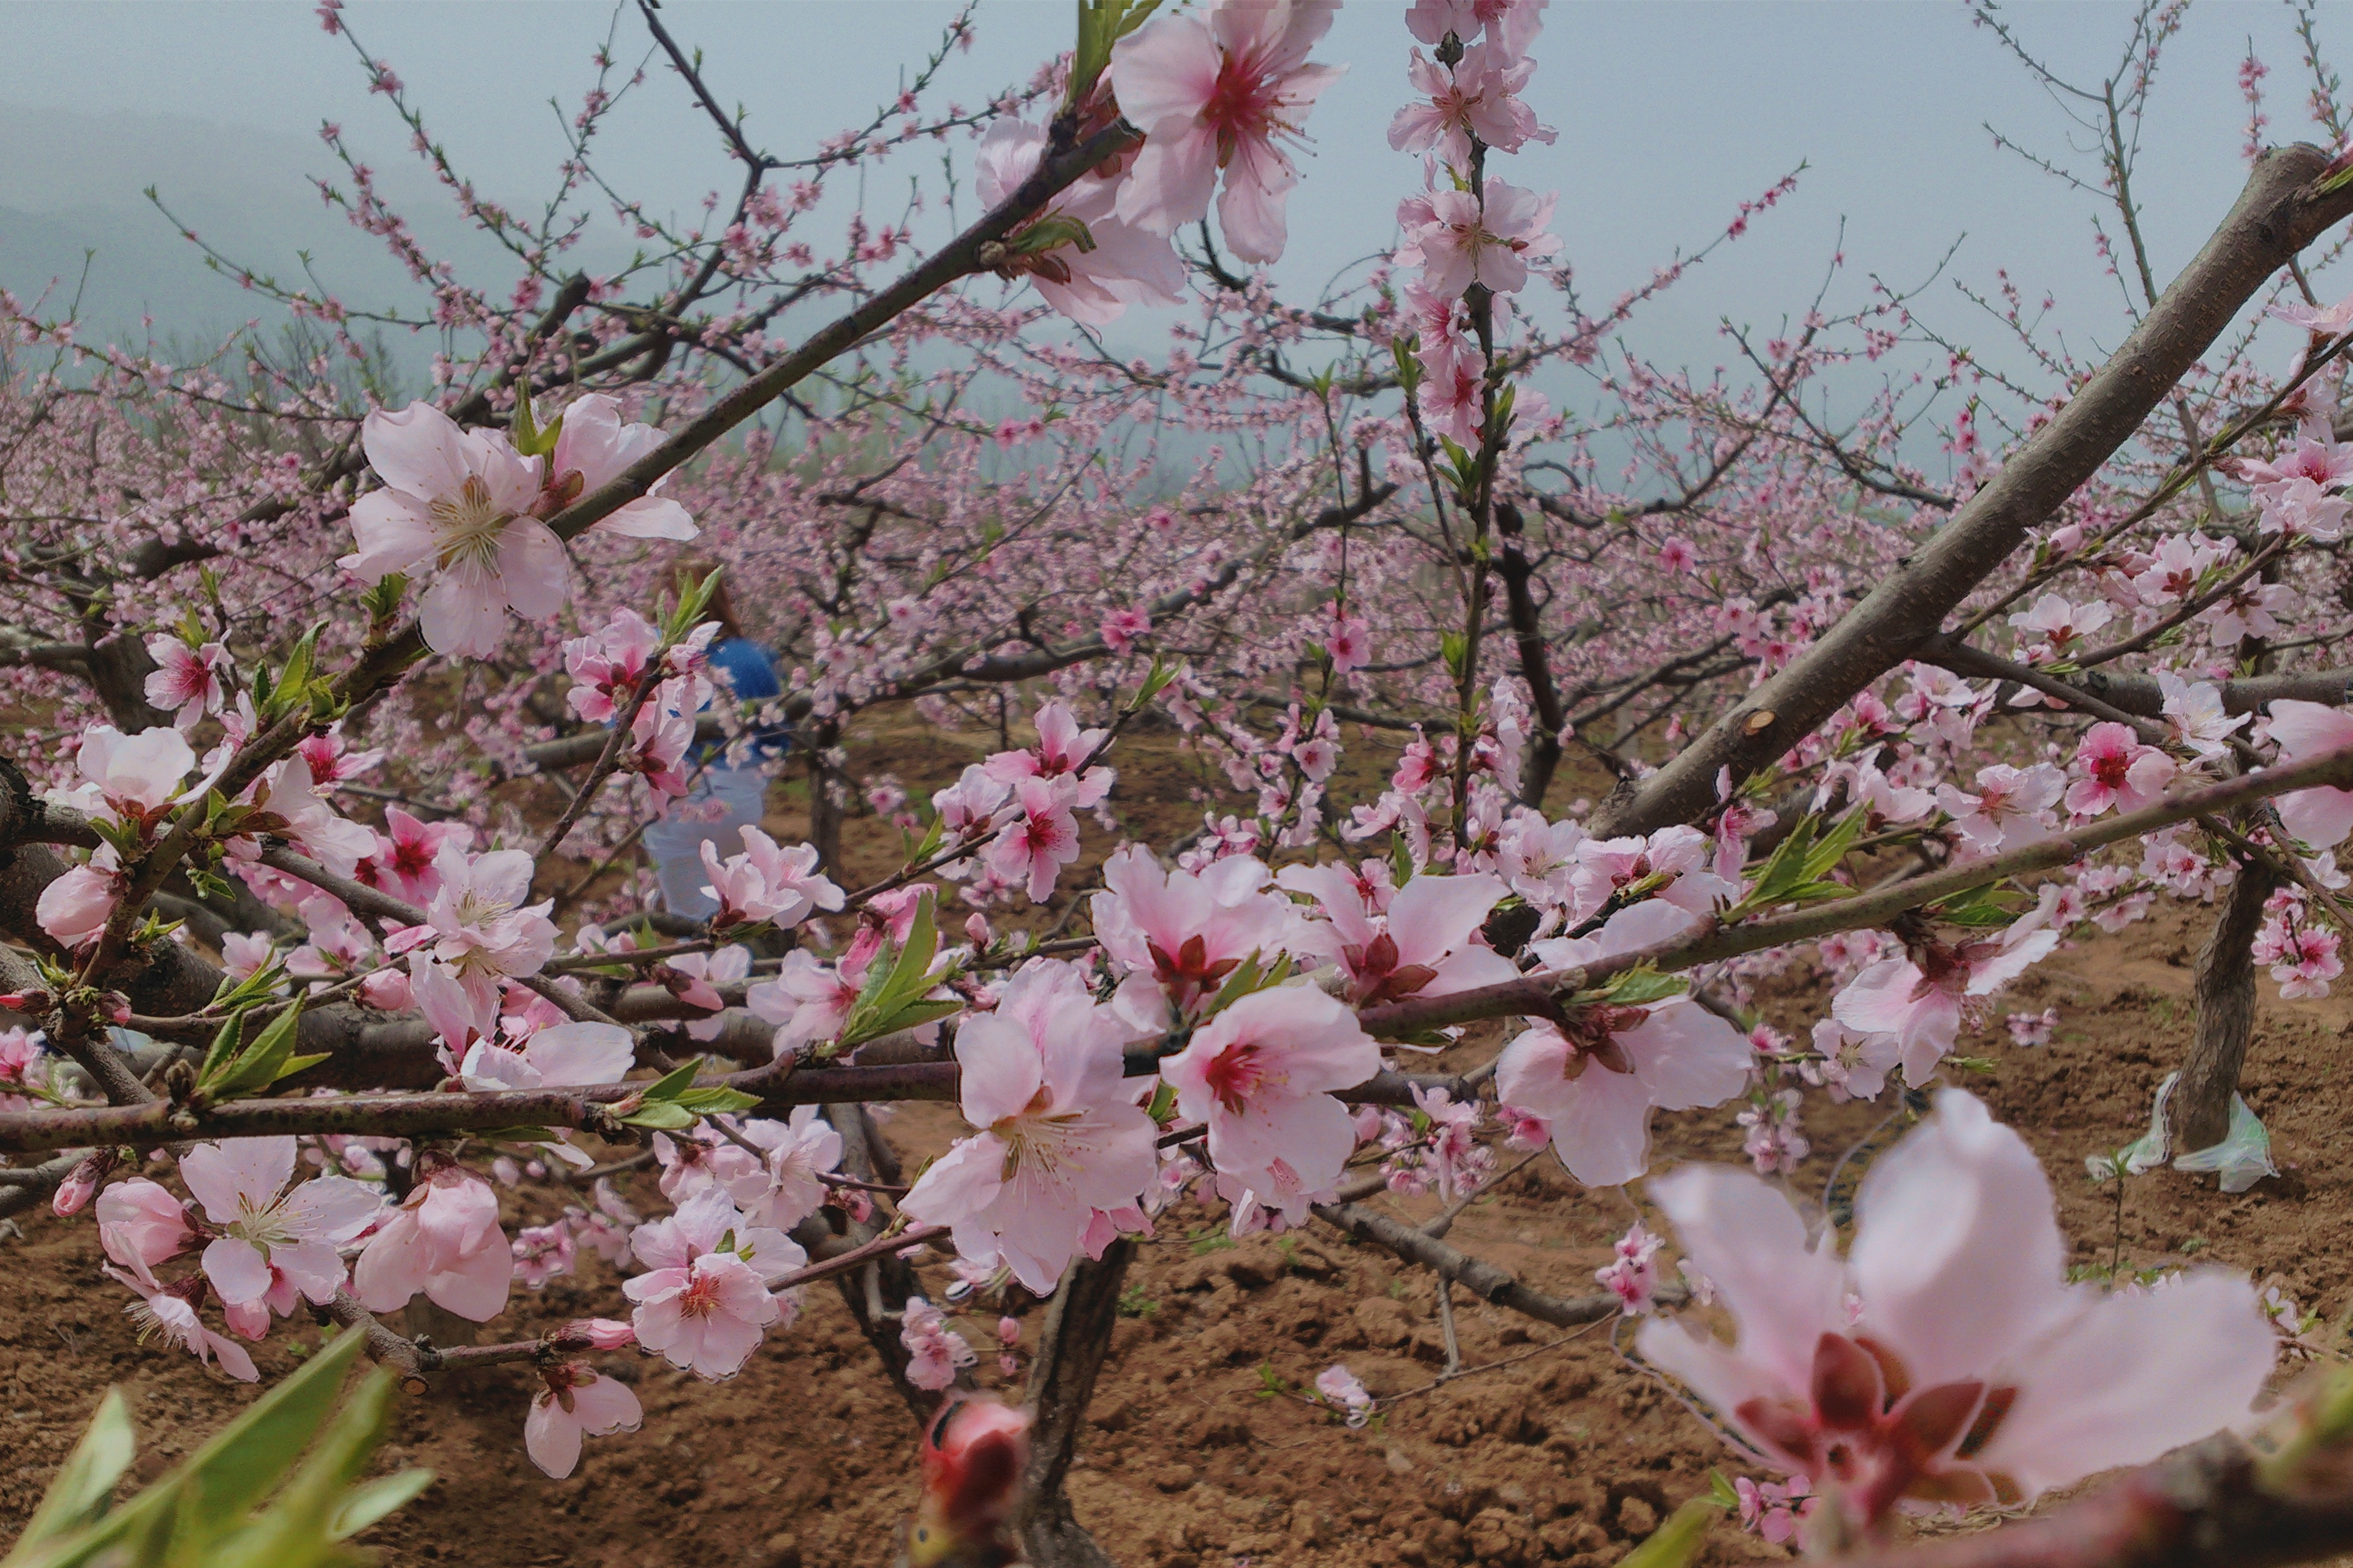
[{"x": 1554, "y": 1450}]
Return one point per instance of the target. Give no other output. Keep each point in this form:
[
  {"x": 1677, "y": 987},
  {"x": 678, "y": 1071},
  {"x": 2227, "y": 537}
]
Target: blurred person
[{"x": 725, "y": 795}]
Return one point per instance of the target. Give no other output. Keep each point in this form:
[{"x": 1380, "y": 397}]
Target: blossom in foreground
[
  {"x": 594, "y": 447},
  {"x": 1510, "y": 25},
  {"x": 1946, "y": 1360},
  {"x": 75, "y": 908},
  {"x": 444, "y": 1242},
  {"x": 2194, "y": 716},
  {"x": 1260, "y": 1076},
  {"x": 574, "y": 1403},
  {"x": 1596, "y": 1080},
  {"x": 1918, "y": 998},
  {"x": 1119, "y": 265},
  {"x": 406, "y": 854},
  {"x": 2011, "y": 808},
  {"x": 1061, "y": 1137},
  {"x": 477, "y": 922},
  {"x": 767, "y": 882},
  {"x": 972, "y": 1457},
  {"x": 1179, "y": 934},
  {"x": 2117, "y": 770},
  {"x": 1419, "y": 944},
  {"x": 1214, "y": 92},
  {"x": 141, "y": 1219},
  {"x": 187, "y": 681},
  {"x": 268, "y": 1229},
  {"x": 787, "y": 1186},
  {"x": 169, "y": 1311},
  {"x": 562, "y": 1056},
  {"x": 809, "y": 1000},
  {"x": 2322, "y": 817},
  {"x": 703, "y": 1302},
  {"x": 1041, "y": 837},
  {"x": 1478, "y": 98},
  {"x": 457, "y": 504},
  {"x": 1063, "y": 751},
  {"x": 1457, "y": 239},
  {"x": 1632, "y": 1272},
  {"x": 132, "y": 778}
]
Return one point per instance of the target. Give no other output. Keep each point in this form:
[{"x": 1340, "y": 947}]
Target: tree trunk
[
  {"x": 825, "y": 812},
  {"x": 1070, "y": 1352},
  {"x": 2199, "y": 1113}
]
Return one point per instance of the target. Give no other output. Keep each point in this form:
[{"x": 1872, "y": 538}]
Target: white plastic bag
[{"x": 2243, "y": 1158}]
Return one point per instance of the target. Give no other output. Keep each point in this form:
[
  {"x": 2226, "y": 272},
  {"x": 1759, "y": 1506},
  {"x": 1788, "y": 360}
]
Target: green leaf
[
  {"x": 716, "y": 1101},
  {"x": 675, "y": 1082},
  {"x": 892, "y": 998},
  {"x": 1676, "y": 1542},
  {"x": 226, "y": 1042},
  {"x": 1051, "y": 232},
  {"x": 85, "y": 1482},
  {"x": 531, "y": 438},
  {"x": 270, "y": 1058},
  {"x": 1641, "y": 986},
  {"x": 209, "y": 1494},
  {"x": 296, "y": 1530},
  {"x": 368, "y": 1503},
  {"x": 661, "y": 1116}
]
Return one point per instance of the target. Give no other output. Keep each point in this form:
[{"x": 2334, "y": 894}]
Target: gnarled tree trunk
[
  {"x": 1070, "y": 1352},
  {"x": 2198, "y": 1113}
]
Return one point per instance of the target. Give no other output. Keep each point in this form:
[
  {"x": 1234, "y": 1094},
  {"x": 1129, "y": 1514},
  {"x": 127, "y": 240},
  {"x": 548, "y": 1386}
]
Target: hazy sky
[{"x": 1669, "y": 115}]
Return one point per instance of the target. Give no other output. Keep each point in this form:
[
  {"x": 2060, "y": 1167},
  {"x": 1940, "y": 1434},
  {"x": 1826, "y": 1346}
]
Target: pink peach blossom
[
  {"x": 2117, "y": 770},
  {"x": 1059, "y": 1136},
  {"x": 1597, "y": 1081},
  {"x": 787, "y": 1186},
  {"x": 2323, "y": 817},
  {"x": 1478, "y": 97},
  {"x": 767, "y": 882},
  {"x": 561, "y": 1056},
  {"x": 140, "y": 1220},
  {"x": 169, "y": 1312},
  {"x": 1946, "y": 1359},
  {"x": 1178, "y": 934},
  {"x": 935, "y": 1352},
  {"x": 703, "y": 1303},
  {"x": 186, "y": 680},
  {"x": 1063, "y": 751},
  {"x": 1918, "y": 999},
  {"x": 1421, "y": 944},
  {"x": 443, "y": 1241},
  {"x": 1216, "y": 90},
  {"x": 1040, "y": 837},
  {"x": 593, "y": 448},
  {"x": 457, "y": 503},
  {"x": 1120, "y": 263},
  {"x": 1260, "y": 1076},
  {"x": 266, "y": 1227},
  {"x": 1457, "y": 240},
  {"x": 574, "y": 1403}
]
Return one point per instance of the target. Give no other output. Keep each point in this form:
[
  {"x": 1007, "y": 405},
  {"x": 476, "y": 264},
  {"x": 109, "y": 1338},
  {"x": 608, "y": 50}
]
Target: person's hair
[{"x": 691, "y": 570}]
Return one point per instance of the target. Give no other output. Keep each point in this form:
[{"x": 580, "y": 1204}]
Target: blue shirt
[{"x": 752, "y": 676}]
